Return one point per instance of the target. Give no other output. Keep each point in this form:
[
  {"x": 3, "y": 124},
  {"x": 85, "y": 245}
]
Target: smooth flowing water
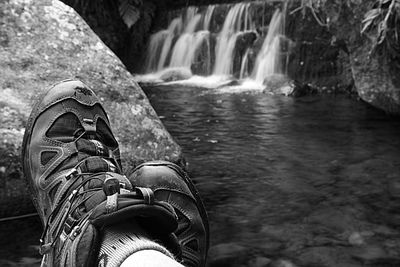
[{"x": 221, "y": 40}]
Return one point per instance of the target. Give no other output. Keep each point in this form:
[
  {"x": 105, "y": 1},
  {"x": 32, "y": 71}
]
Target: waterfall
[
  {"x": 244, "y": 68},
  {"x": 154, "y": 50},
  {"x": 175, "y": 26},
  {"x": 240, "y": 45},
  {"x": 268, "y": 60},
  {"x": 206, "y": 27},
  {"x": 192, "y": 38},
  {"x": 234, "y": 23},
  {"x": 186, "y": 48},
  {"x": 162, "y": 41},
  {"x": 207, "y": 17}
]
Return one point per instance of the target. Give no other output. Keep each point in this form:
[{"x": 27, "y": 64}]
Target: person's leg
[
  {"x": 72, "y": 166},
  {"x": 172, "y": 185}
]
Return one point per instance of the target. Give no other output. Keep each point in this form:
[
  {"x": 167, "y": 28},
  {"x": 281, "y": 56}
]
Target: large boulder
[{"x": 42, "y": 42}]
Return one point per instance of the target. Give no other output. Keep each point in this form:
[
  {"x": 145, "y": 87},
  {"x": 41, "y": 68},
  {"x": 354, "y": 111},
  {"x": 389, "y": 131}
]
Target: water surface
[{"x": 314, "y": 180}]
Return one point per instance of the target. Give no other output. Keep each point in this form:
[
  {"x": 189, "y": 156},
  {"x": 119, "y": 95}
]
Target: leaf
[
  {"x": 382, "y": 29},
  {"x": 371, "y": 14},
  {"x": 369, "y": 18},
  {"x": 129, "y": 11}
]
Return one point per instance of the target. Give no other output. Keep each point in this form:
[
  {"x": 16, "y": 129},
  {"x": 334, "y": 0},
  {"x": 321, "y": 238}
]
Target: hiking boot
[
  {"x": 72, "y": 165},
  {"x": 172, "y": 185}
]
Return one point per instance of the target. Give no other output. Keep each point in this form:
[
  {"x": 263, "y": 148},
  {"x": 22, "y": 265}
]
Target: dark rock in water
[
  {"x": 227, "y": 254},
  {"x": 281, "y": 84},
  {"x": 302, "y": 89},
  {"x": 278, "y": 84},
  {"x": 42, "y": 42},
  {"x": 275, "y": 81},
  {"x": 245, "y": 40}
]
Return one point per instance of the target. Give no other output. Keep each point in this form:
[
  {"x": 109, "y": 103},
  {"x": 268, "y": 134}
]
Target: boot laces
[{"x": 69, "y": 212}]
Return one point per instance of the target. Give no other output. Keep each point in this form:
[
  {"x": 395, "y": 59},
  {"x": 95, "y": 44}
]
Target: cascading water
[
  {"x": 160, "y": 44},
  {"x": 236, "y": 21},
  {"x": 244, "y": 68},
  {"x": 268, "y": 61},
  {"x": 187, "y": 44},
  {"x": 193, "y": 41}
]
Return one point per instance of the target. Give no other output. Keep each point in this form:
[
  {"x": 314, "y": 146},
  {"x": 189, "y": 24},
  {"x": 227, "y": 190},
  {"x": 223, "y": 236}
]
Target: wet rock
[
  {"x": 356, "y": 239},
  {"x": 47, "y": 41},
  {"x": 275, "y": 232},
  {"x": 282, "y": 263},
  {"x": 244, "y": 41},
  {"x": 339, "y": 55},
  {"x": 336, "y": 221},
  {"x": 313, "y": 56},
  {"x": 385, "y": 230},
  {"x": 394, "y": 187},
  {"x": 326, "y": 257},
  {"x": 281, "y": 84},
  {"x": 227, "y": 254},
  {"x": 302, "y": 89},
  {"x": 335, "y": 167},
  {"x": 271, "y": 247},
  {"x": 175, "y": 74},
  {"x": 260, "y": 262},
  {"x": 375, "y": 75},
  {"x": 274, "y": 82},
  {"x": 374, "y": 255}
]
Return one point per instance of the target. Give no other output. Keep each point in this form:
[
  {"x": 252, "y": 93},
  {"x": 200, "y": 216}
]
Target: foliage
[
  {"x": 382, "y": 25},
  {"x": 313, "y": 6},
  {"x": 129, "y": 11}
]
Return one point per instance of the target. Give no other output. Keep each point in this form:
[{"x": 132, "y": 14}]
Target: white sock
[{"x": 122, "y": 240}]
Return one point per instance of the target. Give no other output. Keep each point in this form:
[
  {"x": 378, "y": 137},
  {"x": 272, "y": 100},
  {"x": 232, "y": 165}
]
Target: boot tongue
[{"x": 87, "y": 147}]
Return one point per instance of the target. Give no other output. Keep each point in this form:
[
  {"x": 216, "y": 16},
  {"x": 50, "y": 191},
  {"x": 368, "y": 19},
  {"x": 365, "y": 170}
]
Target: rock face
[
  {"x": 339, "y": 53},
  {"x": 42, "y": 42},
  {"x": 314, "y": 55},
  {"x": 376, "y": 77}
]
